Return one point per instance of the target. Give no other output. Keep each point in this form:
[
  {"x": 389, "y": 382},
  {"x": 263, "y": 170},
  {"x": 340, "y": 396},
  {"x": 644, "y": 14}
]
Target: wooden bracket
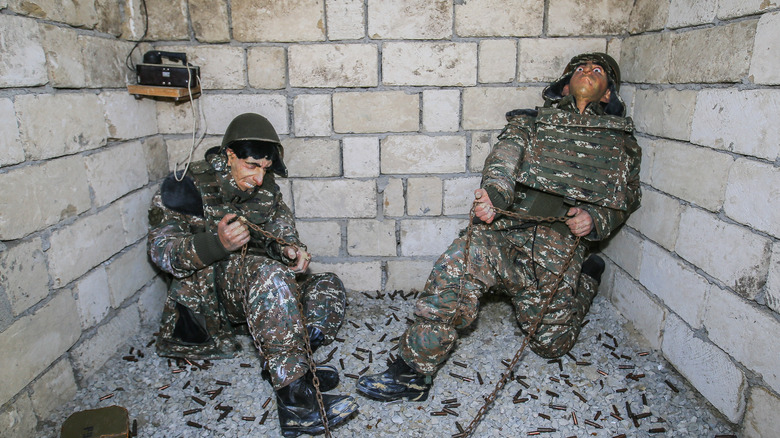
[{"x": 178, "y": 94}]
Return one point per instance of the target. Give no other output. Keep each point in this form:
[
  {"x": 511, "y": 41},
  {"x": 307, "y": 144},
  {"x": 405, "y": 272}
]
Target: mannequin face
[
  {"x": 247, "y": 172},
  {"x": 588, "y": 84}
]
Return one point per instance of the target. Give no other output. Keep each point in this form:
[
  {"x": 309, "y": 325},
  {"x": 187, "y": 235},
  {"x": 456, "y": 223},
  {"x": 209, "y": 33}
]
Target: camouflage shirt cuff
[
  {"x": 208, "y": 248},
  {"x": 496, "y": 198}
]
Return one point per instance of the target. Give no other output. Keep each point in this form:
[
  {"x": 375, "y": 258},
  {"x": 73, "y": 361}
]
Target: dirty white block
[
  {"x": 635, "y": 304},
  {"x": 23, "y": 274},
  {"x": 134, "y": 211},
  {"x": 543, "y": 60},
  {"x": 221, "y": 109},
  {"x": 765, "y": 64},
  {"x": 345, "y": 18},
  {"x": 285, "y": 187},
  {"x": 369, "y": 237},
  {"x": 712, "y": 55},
  {"x": 11, "y": 147},
  {"x": 614, "y": 46},
  {"x": 648, "y": 146},
  {"x": 646, "y": 58},
  {"x": 30, "y": 207},
  {"x": 429, "y": 64},
  {"x": 761, "y": 420},
  {"x": 677, "y": 285},
  {"x": 739, "y": 8},
  {"x": 168, "y": 21},
  {"x": 128, "y": 117},
  {"x": 333, "y": 65},
  {"x": 486, "y": 107},
  {"x": 625, "y": 249},
  {"x": 93, "y": 297},
  {"x": 380, "y": 111},
  {"x": 335, "y": 199},
  {"x": 151, "y": 300},
  {"x": 222, "y": 67},
  {"x": 177, "y": 119},
  {"x": 648, "y": 15},
  {"x": 274, "y": 21},
  {"x": 322, "y": 238},
  {"x": 312, "y": 158},
  {"x": 54, "y": 388},
  {"x": 78, "y": 14},
  {"x": 664, "y": 113},
  {"x": 79, "y": 247},
  {"x": 91, "y": 354},
  {"x": 441, "y": 110},
  {"x": 209, "y": 21},
  {"x": 36, "y": 341},
  {"x": 407, "y": 275},
  {"x": 692, "y": 173},
  {"x": 361, "y": 157},
  {"x": 410, "y": 19},
  {"x": 423, "y": 196},
  {"x": 684, "y": 13},
  {"x": 156, "y": 156},
  {"x": 773, "y": 281},
  {"x": 481, "y": 145},
  {"x": 111, "y": 71},
  {"x": 312, "y": 115},
  {"x": 706, "y": 367},
  {"x": 357, "y": 276},
  {"x": 577, "y": 17},
  {"x": 628, "y": 93},
  {"x": 128, "y": 273},
  {"x": 608, "y": 278},
  {"x": 267, "y": 67},
  {"x": 745, "y": 331},
  {"x": 658, "y": 218},
  {"x": 753, "y": 195},
  {"x": 731, "y": 253},
  {"x": 65, "y": 59},
  {"x": 178, "y": 151},
  {"x": 59, "y": 124},
  {"x": 393, "y": 201},
  {"x": 497, "y": 61},
  {"x": 18, "y": 419},
  {"x": 24, "y": 61},
  {"x": 422, "y": 154},
  {"x": 429, "y": 237},
  {"x": 485, "y": 18},
  {"x": 459, "y": 194},
  {"x": 111, "y": 180}
]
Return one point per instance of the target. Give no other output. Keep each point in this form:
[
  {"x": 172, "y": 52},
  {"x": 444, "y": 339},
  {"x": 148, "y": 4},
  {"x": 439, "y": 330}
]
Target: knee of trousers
[
  {"x": 553, "y": 341},
  {"x": 426, "y": 344}
]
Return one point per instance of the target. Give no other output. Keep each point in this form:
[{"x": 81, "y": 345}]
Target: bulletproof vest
[{"x": 577, "y": 156}]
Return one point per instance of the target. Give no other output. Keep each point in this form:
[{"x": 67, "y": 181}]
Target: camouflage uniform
[{"x": 214, "y": 292}]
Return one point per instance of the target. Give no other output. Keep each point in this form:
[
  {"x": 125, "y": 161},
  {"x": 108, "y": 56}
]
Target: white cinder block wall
[{"x": 387, "y": 110}]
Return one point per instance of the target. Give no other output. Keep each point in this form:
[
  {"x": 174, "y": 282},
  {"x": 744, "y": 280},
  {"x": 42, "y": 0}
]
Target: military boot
[
  {"x": 299, "y": 412},
  {"x": 594, "y": 267},
  {"x": 398, "y": 381}
]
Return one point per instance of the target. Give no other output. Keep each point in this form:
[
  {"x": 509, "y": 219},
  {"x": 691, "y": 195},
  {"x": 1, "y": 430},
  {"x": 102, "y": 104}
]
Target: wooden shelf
[{"x": 178, "y": 94}]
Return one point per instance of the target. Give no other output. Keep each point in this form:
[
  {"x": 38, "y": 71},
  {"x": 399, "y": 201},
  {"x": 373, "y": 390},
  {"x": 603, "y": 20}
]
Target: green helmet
[
  {"x": 553, "y": 92},
  {"x": 254, "y": 127}
]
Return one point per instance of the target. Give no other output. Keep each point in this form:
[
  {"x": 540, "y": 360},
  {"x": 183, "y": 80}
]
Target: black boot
[
  {"x": 398, "y": 381},
  {"x": 299, "y": 412},
  {"x": 594, "y": 267}
]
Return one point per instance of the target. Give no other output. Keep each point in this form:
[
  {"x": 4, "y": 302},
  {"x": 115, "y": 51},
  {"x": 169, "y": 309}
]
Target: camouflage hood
[
  {"x": 254, "y": 127},
  {"x": 553, "y": 93}
]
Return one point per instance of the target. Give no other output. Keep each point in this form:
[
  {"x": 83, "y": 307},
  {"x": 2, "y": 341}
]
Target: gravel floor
[{"x": 586, "y": 393}]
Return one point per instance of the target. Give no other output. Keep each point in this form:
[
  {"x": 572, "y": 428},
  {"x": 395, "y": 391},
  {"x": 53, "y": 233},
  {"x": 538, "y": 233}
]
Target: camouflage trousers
[
  {"x": 267, "y": 303},
  {"x": 499, "y": 264}
]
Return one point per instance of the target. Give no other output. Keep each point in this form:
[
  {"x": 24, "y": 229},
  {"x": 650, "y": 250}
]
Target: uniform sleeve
[
  {"x": 282, "y": 225},
  {"x": 501, "y": 166}
]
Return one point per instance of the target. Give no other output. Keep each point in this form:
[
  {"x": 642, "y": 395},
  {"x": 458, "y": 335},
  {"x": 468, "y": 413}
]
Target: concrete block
[
  {"x": 764, "y": 65},
  {"x": 736, "y": 256},
  {"x": 747, "y": 332},
  {"x": 53, "y": 389},
  {"x": 499, "y": 18},
  {"x": 481, "y": 145},
  {"x": 357, "y": 276},
  {"x": 625, "y": 250},
  {"x": 312, "y": 115},
  {"x": 692, "y": 173},
  {"x": 36, "y": 341},
  {"x": 80, "y": 124},
  {"x": 312, "y": 158},
  {"x": 77, "y": 14},
  {"x": 65, "y": 60},
  {"x": 379, "y": 111},
  {"x": 544, "y": 59},
  {"x": 646, "y": 58},
  {"x": 18, "y": 419},
  {"x": 23, "y": 274},
  {"x": 93, "y": 297},
  {"x": 50, "y": 204},
  {"x": 361, "y": 157},
  {"x": 658, "y": 218},
  {"x": 423, "y": 196},
  {"x": 127, "y": 273},
  {"x": 222, "y": 67},
  {"x": 678, "y": 286},
  {"x": 772, "y": 296},
  {"x": 393, "y": 202},
  {"x": 111, "y": 71},
  {"x": 486, "y": 107},
  {"x": 322, "y": 238},
  {"x": 91, "y": 354},
  {"x": 335, "y": 199},
  {"x": 151, "y": 301},
  {"x": 761, "y": 420},
  {"x": 178, "y": 150},
  {"x": 706, "y": 367},
  {"x": 10, "y": 145},
  {"x": 128, "y": 117},
  {"x": 578, "y": 17},
  {"x": 429, "y": 64},
  {"x": 712, "y": 55},
  {"x": 422, "y": 154},
  {"x": 134, "y": 212},
  {"x": 686, "y": 13},
  {"x": 632, "y": 301},
  {"x": 369, "y": 237},
  {"x": 497, "y": 60},
  {"x": 648, "y": 158},
  {"x": 346, "y": 19},
  {"x": 648, "y": 15},
  {"x": 156, "y": 155},
  {"x": 409, "y": 19},
  {"x": 628, "y": 94},
  {"x": 285, "y": 187},
  {"x": 664, "y": 113},
  {"x": 221, "y": 109},
  {"x": 441, "y": 110},
  {"x": 739, "y": 8},
  {"x": 406, "y": 275},
  {"x": 429, "y": 237},
  {"x": 333, "y": 65},
  {"x": 116, "y": 171},
  {"x": 109, "y": 17},
  {"x": 752, "y": 195},
  {"x": 210, "y": 20},
  {"x": 738, "y": 121},
  {"x": 459, "y": 194},
  {"x": 167, "y": 20},
  {"x": 24, "y": 61},
  {"x": 273, "y": 21},
  {"x": 267, "y": 67}
]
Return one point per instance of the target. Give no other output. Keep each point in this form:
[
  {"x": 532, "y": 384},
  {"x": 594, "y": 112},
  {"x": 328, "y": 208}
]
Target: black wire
[{"x": 137, "y": 43}]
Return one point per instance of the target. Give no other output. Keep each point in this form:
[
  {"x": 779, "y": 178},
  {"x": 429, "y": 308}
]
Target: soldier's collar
[{"x": 569, "y": 104}]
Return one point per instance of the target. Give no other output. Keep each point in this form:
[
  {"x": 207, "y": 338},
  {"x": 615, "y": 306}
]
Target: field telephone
[{"x": 154, "y": 72}]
